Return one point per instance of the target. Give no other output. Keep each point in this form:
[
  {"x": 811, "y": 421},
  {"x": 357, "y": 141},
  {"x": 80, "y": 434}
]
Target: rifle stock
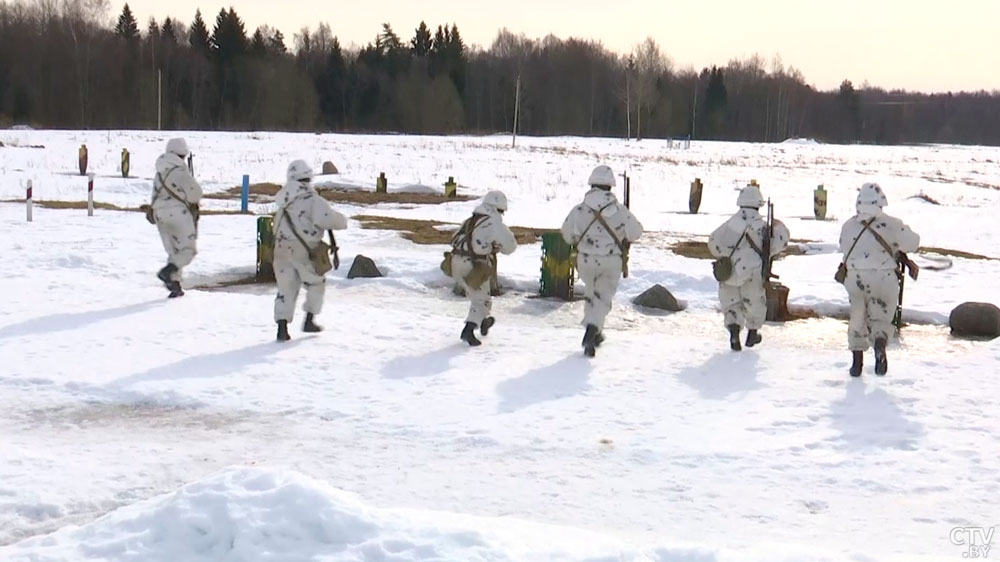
[{"x": 765, "y": 258}]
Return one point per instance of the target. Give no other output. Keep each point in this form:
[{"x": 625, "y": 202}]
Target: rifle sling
[
  {"x": 867, "y": 225},
  {"x": 604, "y": 223},
  {"x": 291, "y": 224}
]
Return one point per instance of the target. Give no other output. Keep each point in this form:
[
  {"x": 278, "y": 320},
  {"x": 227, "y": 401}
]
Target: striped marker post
[
  {"x": 90, "y": 194},
  {"x": 28, "y": 200}
]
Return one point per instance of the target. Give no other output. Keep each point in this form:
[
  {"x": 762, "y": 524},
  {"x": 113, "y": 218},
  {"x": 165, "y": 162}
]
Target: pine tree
[
  {"x": 199, "y": 35},
  {"x": 229, "y": 38},
  {"x": 456, "y": 44},
  {"x": 277, "y": 43},
  {"x": 153, "y": 29},
  {"x": 258, "y": 44},
  {"x": 128, "y": 27},
  {"x": 716, "y": 102},
  {"x": 167, "y": 32},
  {"x": 421, "y": 43}
]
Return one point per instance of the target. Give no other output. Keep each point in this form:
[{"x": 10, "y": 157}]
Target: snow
[
  {"x": 255, "y": 514},
  {"x": 125, "y": 417},
  {"x": 801, "y": 141}
]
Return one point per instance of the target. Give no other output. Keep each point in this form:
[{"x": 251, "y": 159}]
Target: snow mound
[
  {"x": 801, "y": 141},
  {"x": 253, "y": 514}
]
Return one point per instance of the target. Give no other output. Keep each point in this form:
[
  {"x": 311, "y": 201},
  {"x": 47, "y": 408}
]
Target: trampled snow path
[{"x": 110, "y": 394}]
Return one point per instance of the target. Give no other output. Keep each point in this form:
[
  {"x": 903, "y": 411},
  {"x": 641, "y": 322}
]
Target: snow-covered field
[{"x": 136, "y": 428}]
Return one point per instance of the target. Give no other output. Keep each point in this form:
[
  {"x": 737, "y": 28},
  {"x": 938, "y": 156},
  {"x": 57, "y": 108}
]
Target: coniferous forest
[{"x": 72, "y": 64}]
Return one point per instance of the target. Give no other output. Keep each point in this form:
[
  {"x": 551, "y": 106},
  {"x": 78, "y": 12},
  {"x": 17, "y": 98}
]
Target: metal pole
[
  {"x": 90, "y": 194},
  {"x": 28, "y": 200},
  {"x": 517, "y": 108},
  {"x": 245, "y": 199}
]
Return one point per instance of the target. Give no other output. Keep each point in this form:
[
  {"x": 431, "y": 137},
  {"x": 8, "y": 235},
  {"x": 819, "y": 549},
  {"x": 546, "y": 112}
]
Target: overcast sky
[{"x": 912, "y": 44}]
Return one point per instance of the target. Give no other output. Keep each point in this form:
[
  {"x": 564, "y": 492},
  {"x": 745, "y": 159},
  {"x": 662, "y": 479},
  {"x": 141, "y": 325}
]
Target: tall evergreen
[
  {"x": 128, "y": 27},
  {"x": 167, "y": 32},
  {"x": 199, "y": 39},
  {"x": 422, "y": 42}
]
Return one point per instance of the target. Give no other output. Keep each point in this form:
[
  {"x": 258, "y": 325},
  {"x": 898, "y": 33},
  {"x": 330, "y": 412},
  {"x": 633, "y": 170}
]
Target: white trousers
[
  {"x": 600, "y": 275},
  {"x": 292, "y": 270},
  {"x": 480, "y": 301},
  {"x": 177, "y": 231},
  {"x": 874, "y": 294},
  {"x": 744, "y": 305}
]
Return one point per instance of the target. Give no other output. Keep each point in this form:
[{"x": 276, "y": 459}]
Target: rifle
[
  {"x": 765, "y": 247},
  {"x": 334, "y": 250},
  {"x": 903, "y": 262}
]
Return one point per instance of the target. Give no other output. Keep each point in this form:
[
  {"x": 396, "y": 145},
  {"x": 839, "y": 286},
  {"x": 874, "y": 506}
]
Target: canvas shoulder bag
[
  {"x": 722, "y": 268},
  {"x": 319, "y": 256}
]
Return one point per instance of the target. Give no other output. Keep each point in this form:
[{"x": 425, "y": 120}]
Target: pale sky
[{"x": 925, "y": 45}]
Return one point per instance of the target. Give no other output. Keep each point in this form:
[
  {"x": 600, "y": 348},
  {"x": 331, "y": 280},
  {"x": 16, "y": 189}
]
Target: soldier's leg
[
  {"x": 315, "y": 287},
  {"x": 882, "y": 298},
  {"x": 480, "y": 302},
  {"x": 754, "y": 300},
  {"x": 857, "y": 330},
  {"x": 606, "y": 281},
  {"x": 731, "y": 302},
  {"x": 287, "y": 277},
  {"x": 586, "y": 267}
]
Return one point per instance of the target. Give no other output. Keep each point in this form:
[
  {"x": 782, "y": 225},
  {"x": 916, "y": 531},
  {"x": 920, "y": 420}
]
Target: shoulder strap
[
  {"x": 597, "y": 214},
  {"x": 611, "y": 232},
  {"x": 467, "y": 230},
  {"x": 737, "y": 245},
  {"x": 291, "y": 224},
  {"x": 163, "y": 185},
  {"x": 884, "y": 244},
  {"x": 860, "y": 234}
]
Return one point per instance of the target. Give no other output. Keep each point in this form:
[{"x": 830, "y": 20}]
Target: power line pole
[{"x": 517, "y": 108}]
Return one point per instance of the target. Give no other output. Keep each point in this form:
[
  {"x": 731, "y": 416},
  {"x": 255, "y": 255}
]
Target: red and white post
[
  {"x": 90, "y": 194},
  {"x": 28, "y": 200}
]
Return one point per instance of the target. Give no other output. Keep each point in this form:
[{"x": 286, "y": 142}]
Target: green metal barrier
[
  {"x": 558, "y": 271},
  {"x": 265, "y": 249}
]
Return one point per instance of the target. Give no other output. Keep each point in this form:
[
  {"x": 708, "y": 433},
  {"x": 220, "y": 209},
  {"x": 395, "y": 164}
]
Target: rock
[
  {"x": 658, "y": 297},
  {"x": 363, "y": 267},
  {"x": 329, "y": 168},
  {"x": 975, "y": 319}
]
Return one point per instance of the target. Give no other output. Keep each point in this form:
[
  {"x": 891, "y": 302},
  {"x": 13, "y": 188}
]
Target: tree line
[{"x": 64, "y": 65}]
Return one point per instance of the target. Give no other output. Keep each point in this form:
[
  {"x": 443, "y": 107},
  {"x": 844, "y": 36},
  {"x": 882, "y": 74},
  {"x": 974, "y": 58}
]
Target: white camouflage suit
[
  {"x": 311, "y": 216},
  {"x": 872, "y": 284},
  {"x": 490, "y": 235},
  {"x": 174, "y": 189},
  {"x": 742, "y": 296},
  {"x": 599, "y": 260}
]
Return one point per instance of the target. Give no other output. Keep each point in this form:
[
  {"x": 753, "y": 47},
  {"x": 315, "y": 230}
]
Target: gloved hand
[{"x": 333, "y": 250}]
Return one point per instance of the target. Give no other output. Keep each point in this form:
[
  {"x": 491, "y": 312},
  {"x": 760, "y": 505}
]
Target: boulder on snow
[
  {"x": 363, "y": 267},
  {"x": 329, "y": 168},
  {"x": 975, "y": 319},
  {"x": 660, "y": 298}
]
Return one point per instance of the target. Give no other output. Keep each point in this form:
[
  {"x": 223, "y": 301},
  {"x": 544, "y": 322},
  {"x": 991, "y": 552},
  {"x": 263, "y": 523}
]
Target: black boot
[
  {"x": 175, "y": 290},
  {"x": 859, "y": 359},
  {"x": 753, "y": 338},
  {"x": 881, "y": 361},
  {"x": 484, "y": 328},
  {"x": 598, "y": 339},
  {"x": 469, "y": 335},
  {"x": 166, "y": 273},
  {"x": 283, "y": 330},
  {"x": 590, "y": 340},
  {"x": 734, "y": 338},
  {"x": 309, "y": 326}
]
